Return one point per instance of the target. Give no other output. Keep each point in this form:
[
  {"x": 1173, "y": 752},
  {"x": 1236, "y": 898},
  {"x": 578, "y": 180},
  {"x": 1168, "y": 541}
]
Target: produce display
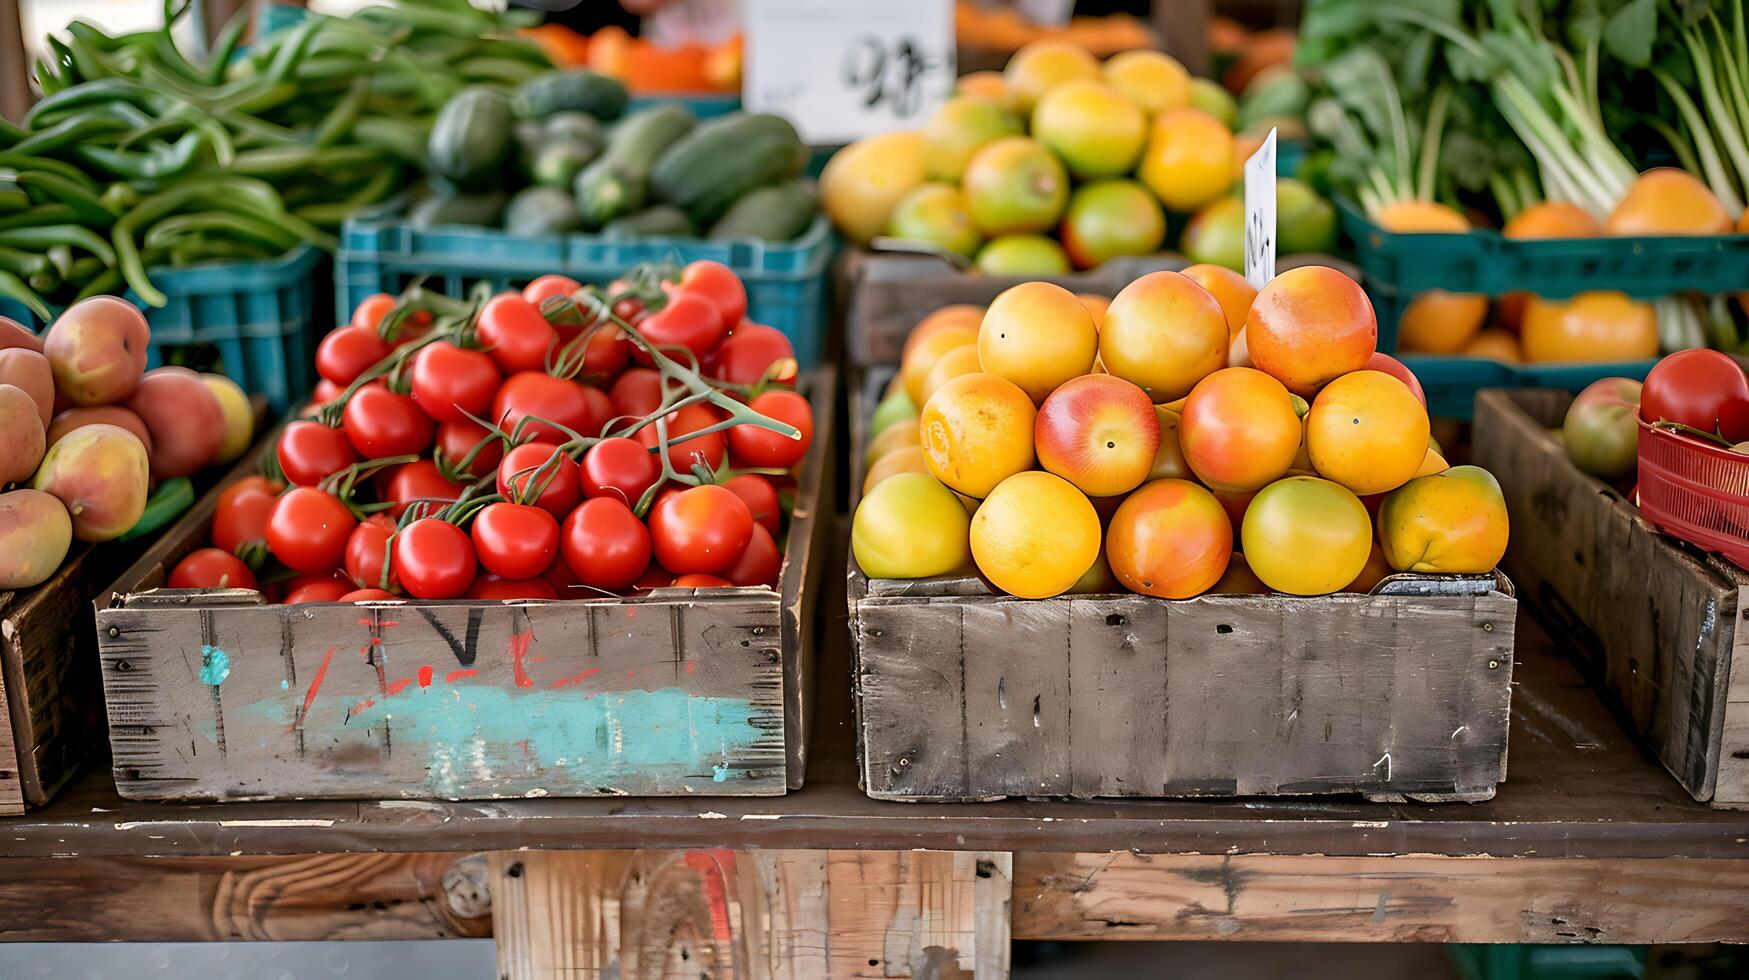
[
  {"x": 1564, "y": 120},
  {"x": 1180, "y": 438},
  {"x": 138, "y": 156},
  {"x": 1002, "y": 28},
  {"x": 642, "y": 65},
  {"x": 556, "y": 156},
  {"x": 94, "y": 446},
  {"x": 564, "y": 441},
  {"x": 1061, "y": 161}
]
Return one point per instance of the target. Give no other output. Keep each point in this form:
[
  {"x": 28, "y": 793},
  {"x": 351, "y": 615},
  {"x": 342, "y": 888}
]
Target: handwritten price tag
[
  {"x": 1260, "y": 214},
  {"x": 844, "y": 69}
]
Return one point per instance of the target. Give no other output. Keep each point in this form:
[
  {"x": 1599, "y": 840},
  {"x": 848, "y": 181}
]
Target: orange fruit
[
  {"x": 1451, "y": 523},
  {"x": 1188, "y": 160},
  {"x": 1154, "y": 80},
  {"x": 1093, "y": 127},
  {"x": 976, "y": 432},
  {"x": 1306, "y": 536},
  {"x": 920, "y": 358},
  {"x": 1035, "y": 535},
  {"x": 1169, "y": 462},
  {"x": 1545, "y": 219},
  {"x": 1230, "y": 289},
  {"x": 1042, "y": 66},
  {"x": 1014, "y": 185},
  {"x": 907, "y": 460},
  {"x": 1667, "y": 201},
  {"x": 959, "y": 128},
  {"x": 1597, "y": 326},
  {"x": 1436, "y": 322},
  {"x": 1169, "y": 539},
  {"x": 1310, "y": 325},
  {"x": 1496, "y": 344},
  {"x": 989, "y": 85},
  {"x": 960, "y": 360},
  {"x": 1163, "y": 333},
  {"x": 1368, "y": 432},
  {"x": 1099, "y": 433},
  {"x": 1037, "y": 335},
  {"x": 863, "y": 181},
  {"x": 1240, "y": 430},
  {"x": 1095, "y": 307}
]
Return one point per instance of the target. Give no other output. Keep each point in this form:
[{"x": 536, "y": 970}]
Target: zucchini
[
  {"x": 484, "y": 208},
  {"x": 775, "y": 213},
  {"x": 664, "y": 220},
  {"x": 574, "y": 127},
  {"x": 471, "y": 136},
  {"x": 574, "y": 91},
  {"x": 717, "y": 163},
  {"x": 568, "y": 141},
  {"x": 537, "y": 211},
  {"x": 617, "y": 183},
  {"x": 557, "y": 165}
]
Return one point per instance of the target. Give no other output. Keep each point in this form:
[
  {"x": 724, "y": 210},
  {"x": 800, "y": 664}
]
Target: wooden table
[{"x": 1588, "y": 841}]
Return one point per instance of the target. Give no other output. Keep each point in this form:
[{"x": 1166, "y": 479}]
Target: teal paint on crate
[{"x": 215, "y": 665}]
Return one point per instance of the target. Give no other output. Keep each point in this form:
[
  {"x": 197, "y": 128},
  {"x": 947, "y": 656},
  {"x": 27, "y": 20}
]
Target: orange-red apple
[{"x": 1099, "y": 432}]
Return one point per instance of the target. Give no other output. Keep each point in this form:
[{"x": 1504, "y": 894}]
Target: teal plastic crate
[
  {"x": 1451, "y": 382},
  {"x": 1526, "y": 962},
  {"x": 786, "y": 281},
  {"x": 261, "y": 319},
  {"x": 704, "y": 105}
]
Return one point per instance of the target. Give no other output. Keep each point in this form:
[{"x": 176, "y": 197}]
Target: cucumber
[
  {"x": 616, "y": 184},
  {"x": 568, "y": 141},
  {"x": 471, "y": 137},
  {"x": 664, "y": 220},
  {"x": 775, "y": 213},
  {"x": 458, "y": 209},
  {"x": 574, "y": 127},
  {"x": 717, "y": 163},
  {"x": 558, "y": 165},
  {"x": 576, "y": 91},
  {"x": 536, "y": 211}
]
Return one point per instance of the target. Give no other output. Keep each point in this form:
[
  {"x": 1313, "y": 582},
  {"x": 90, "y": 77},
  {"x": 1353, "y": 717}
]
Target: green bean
[
  {"x": 11, "y": 285},
  {"x": 404, "y": 139},
  {"x": 507, "y": 70},
  {"x": 10, "y": 133},
  {"x": 290, "y": 51},
  {"x": 166, "y": 160},
  {"x": 42, "y": 214},
  {"x": 83, "y": 268},
  {"x": 207, "y": 249},
  {"x": 36, "y": 270},
  {"x": 73, "y": 129},
  {"x": 88, "y": 94},
  {"x": 104, "y": 283},
  {"x": 289, "y": 161},
  {"x": 243, "y": 226},
  {"x": 340, "y": 119},
  {"x": 61, "y": 256},
  {"x": 49, "y": 236},
  {"x": 386, "y": 179},
  {"x": 47, "y": 80},
  {"x": 237, "y": 193},
  {"x": 20, "y": 161},
  {"x": 87, "y": 60},
  {"x": 75, "y": 195},
  {"x": 13, "y": 200},
  {"x": 225, "y": 46}
]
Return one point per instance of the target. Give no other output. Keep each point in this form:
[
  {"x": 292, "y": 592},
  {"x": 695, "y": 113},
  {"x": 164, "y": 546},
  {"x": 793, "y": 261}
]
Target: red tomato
[
  {"x": 688, "y": 321},
  {"x": 1700, "y": 388},
  {"x": 310, "y": 451},
  {"x": 703, "y": 529},
  {"x": 370, "y": 311},
  {"x": 695, "y": 580},
  {"x": 348, "y": 352},
  {"x": 546, "y": 287},
  {"x": 606, "y": 352},
  {"x": 324, "y": 591},
  {"x": 637, "y": 393},
  {"x": 512, "y": 330},
  {"x": 605, "y": 544},
  {"x": 654, "y": 577},
  {"x": 455, "y": 440},
  {"x": 526, "y": 467},
  {"x": 451, "y": 383},
  {"x": 760, "y": 497},
  {"x": 515, "y": 540},
  {"x": 620, "y": 468},
  {"x": 240, "y": 517},
  {"x": 755, "y": 446},
  {"x": 380, "y": 423},
  {"x": 434, "y": 559},
  {"x": 549, "y": 399},
  {"x": 717, "y": 285},
  {"x": 326, "y": 391},
  {"x": 369, "y": 315},
  {"x": 759, "y": 564},
  {"x": 308, "y": 528},
  {"x": 493, "y": 588},
  {"x": 706, "y": 450},
  {"x": 749, "y": 354},
  {"x": 367, "y": 553},
  {"x": 211, "y": 568},
  {"x": 367, "y": 595},
  {"x": 559, "y": 574},
  {"x": 420, "y": 480}
]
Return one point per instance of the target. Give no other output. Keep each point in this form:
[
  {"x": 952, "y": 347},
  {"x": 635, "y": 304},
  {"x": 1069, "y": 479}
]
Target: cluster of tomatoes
[{"x": 564, "y": 441}]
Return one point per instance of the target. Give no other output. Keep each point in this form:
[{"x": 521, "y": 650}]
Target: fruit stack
[{"x": 1170, "y": 443}]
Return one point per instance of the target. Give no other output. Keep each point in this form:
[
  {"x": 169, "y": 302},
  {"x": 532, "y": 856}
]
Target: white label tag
[
  {"x": 1260, "y": 214},
  {"x": 844, "y": 69}
]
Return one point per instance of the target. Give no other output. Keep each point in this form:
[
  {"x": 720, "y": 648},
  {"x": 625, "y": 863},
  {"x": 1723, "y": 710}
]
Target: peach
[
  {"x": 1230, "y": 289},
  {"x": 185, "y": 418},
  {"x": 1309, "y": 326},
  {"x": 1037, "y": 335},
  {"x": 238, "y": 415},
  {"x": 1169, "y": 461},
  {"x": 1099, "y": 433},
  {"x": 21, "y": 435},
  {"x": 1367, "y": 432},
  {"x": 97, "y": 349},
  {"x": 1169, "y": 539},
  {"x": 101, "y": 474},
  {"x": 977, "y": 432},
  {"x": 68, "y": 420},
  {"x": 1240, "y": 429},
  {"x": 1163, "y": 333},
  {"x": 35, "y": 534},
  {"x": 15, "y": 334},
  {"x": 1451, "y": 523},
  {"x": 1035, "y": 535},
  {"x": 30, "y": 370}
]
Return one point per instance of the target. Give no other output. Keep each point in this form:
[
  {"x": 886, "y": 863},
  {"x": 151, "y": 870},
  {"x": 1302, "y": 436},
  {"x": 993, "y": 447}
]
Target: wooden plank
[
  {"x": 1376, "y": 899},
  {"x": 1654, "y": 621},
  {"x": 758, "y": 914},
  {"x": 1183, "y": 28},
  {"x": 15, "y": 91},
  {"x": 11, "y": 790},
  {"x": 205, "y": 899}
]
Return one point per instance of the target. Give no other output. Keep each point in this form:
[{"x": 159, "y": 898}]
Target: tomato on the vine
[
  {"x": 512, "y": 330},
  {"x": 717, "y": 285},
  {"x": 434, "y": 559},
  {"x": 688, "y": 321},
  {"x": 211, "y": 568},
  {"x": 546, "y": 287},
  {"x": 548, "y": 399},
  {"x": 380, "y": 423},
  {"x": 420, "y": 480},
  {"x": 240, "y": 517},
  {"x": 367, "y": 595},
  {"x": 702, "y": 529},
  {"x": 759, "y": 563},
  {"x": 455, "y": 440},
  {"x": 308, "y": 528},
  {"x": 328, "y": 590},
  {"x": 749, "y": 354},
  {"x": 755, "y": 446},
  {"x": 326, "y": 391},
  {"x": 515, "y": 540},
  {"x": 1704, "y": 389},
  {"x": 370, "y": 311},
  {"x": 309, "y": 452},
  {"x": 451, "y": 383},
  {"x": 528, "y": 465},
  {"x": 696, "y": 580},
  {"x": 492, "y": 588},
  {"x": 706, "y": 450},
  {"x": 367, "y": 552},
  {"x": 605, "y": 544},
  {"x": 759, "y": 496},
  {"x": 620, "y": 468},
  {"x": 636, "y": 393},
  {"x": 348, "y": 352},
  {"x": 606, "y": 352}
]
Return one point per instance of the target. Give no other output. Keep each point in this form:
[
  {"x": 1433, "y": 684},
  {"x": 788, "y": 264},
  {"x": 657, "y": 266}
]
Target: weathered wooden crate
[
  {"x": 214, "y": 695},
  {"x": 1655, "y": 622},
  {"x": 965, "y": 695}
]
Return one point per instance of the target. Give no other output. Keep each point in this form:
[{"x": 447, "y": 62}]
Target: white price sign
[
  {"x": 1260, "y": 214},
  {"x": 844, "y": 69}
]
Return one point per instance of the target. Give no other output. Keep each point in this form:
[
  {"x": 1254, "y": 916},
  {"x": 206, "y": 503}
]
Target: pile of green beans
[{"x": 138, "y": 156}]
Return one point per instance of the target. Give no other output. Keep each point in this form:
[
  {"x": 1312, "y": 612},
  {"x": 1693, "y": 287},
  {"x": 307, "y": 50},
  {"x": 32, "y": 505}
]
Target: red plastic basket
[{"x": 1695, "y": 491}]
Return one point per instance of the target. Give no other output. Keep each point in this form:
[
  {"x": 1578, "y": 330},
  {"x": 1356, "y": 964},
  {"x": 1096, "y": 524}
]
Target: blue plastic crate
[
  {"x": 704, "y": 105},
  {"x": 260, "y": 318},
  {"x": 786, "y": 281}
]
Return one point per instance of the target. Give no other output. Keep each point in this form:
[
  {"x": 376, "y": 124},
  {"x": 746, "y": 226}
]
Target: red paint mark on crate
[
  {"x": 362, "y": 706},
  {"x": 456, "y": 675},
  {"x": 518, "y": 650},
  {"x": 397, "y": 686},
  {"x": 576, "y": 678},
  {"x": 691, "y": 664},
  {"x": 425, "y": 676},
  {"x": 315, "y": 685},
  {"x": 714, "y": 866}
]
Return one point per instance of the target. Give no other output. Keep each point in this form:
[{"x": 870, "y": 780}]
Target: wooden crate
[
  {"x": 962, "y": 694},
  {"x": 1653, "y": 620},
  {"x": 214, "y": 695}
]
